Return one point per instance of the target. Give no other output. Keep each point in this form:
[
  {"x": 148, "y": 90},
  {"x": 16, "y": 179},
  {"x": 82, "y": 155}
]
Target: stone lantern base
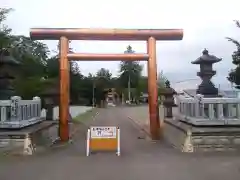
[
  {"x": 207, "y": 89},
  {"x": 188, "y": 138}
]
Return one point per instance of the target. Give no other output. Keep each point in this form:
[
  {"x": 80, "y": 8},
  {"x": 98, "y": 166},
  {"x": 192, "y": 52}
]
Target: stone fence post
[{"x": 15, "y": 108}]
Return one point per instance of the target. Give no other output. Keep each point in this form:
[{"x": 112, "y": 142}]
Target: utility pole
[
  {"x": 129, "y": 51},
  {"x": 93, "y": 95},
  {"x": 129, "y": 88}
]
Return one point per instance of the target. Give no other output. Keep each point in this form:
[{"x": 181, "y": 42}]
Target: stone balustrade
[
  {"x": 18, "y": 113},
  {"x": 208, "y": 111}
]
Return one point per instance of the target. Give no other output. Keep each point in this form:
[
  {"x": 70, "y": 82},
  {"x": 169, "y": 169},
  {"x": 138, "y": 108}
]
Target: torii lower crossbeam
[{"x": 149, "y": 35}]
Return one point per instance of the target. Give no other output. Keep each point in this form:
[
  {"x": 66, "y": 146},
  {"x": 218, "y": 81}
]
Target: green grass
[{"x": 88, "y": 115}]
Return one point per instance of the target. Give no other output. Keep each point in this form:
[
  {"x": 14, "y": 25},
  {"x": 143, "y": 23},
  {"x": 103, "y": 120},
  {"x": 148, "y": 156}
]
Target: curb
[
  {"x": 147, "y": 133},
  {"x": 139, "y": 127}
]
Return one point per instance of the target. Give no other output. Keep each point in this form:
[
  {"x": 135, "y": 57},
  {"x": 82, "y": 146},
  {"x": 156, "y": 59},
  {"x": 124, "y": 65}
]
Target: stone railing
[
  {"x": 209, "y": 111},
  {"x": 17, "y": 113}
]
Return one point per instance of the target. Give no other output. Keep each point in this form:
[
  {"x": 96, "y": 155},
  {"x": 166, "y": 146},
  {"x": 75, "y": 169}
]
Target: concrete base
[
  {"x": 28, "y": 140},
  {"x": 20, "y": 124},
  {"x": 189, "y": 138},
  {"x": 206, "y": 122}
]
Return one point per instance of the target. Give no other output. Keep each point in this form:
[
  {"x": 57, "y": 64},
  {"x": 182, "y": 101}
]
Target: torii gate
[{"x": 66, "y": 34}]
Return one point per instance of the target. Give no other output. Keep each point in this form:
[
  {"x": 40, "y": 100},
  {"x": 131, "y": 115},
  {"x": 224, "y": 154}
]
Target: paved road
[{"x": 141, "y": 159}]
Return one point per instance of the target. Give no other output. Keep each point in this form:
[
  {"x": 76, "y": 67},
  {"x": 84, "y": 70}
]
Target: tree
[
  {"x": 103, "y": 78},
  {"x": 21, "y": 46},
  {"x": 161, "y": 79},
  {"x": 102, "y": 82},
  {"x": 130, "y": 73},
  {"x": 104, "y": 73},
  {"x": 5, "y": 40},
  {"x": 234, "y": 74},
  {"x": 37, "y": 64},
  {"x": 31, "y": 55},
  {"x": 143, "y": 85}
]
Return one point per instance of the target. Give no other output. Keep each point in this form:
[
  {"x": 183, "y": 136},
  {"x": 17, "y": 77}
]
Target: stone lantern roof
[
  {"x": 168, "y": 90},
  {"x": 50, "y": 91},
  {"x": 206, "y": 58},
  {"x": 52, "y": 88}
]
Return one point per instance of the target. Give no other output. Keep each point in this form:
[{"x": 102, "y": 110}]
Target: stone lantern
[
  {"x": 206, "y": 61},
  {"x": 50, "y": 98},
  {"x": 168, "y": 101},
  {"x": 7, "y": 74}
]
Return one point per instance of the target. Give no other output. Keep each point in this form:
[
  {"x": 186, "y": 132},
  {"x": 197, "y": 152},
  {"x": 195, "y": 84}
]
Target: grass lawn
[{"x": 88, "y": 115}]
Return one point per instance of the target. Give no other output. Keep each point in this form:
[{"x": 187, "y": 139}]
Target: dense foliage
[
  {"x": 234, "y": 75},
  {"x": 38, "y": 68}
]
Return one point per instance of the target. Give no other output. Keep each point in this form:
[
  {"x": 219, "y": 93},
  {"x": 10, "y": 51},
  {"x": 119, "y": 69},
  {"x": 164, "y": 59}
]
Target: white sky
[{"x": 206, "y": 23}]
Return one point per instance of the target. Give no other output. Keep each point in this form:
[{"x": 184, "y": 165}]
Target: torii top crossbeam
[{"x": 105, "y": 34}]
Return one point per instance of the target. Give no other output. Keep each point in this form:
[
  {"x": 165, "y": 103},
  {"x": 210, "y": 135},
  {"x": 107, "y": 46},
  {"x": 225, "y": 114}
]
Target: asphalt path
[{"x": 140, "y": 159}]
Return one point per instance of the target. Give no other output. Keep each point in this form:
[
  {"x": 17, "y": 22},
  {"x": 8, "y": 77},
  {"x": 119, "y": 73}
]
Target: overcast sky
[{"x": 206, "y": 23}]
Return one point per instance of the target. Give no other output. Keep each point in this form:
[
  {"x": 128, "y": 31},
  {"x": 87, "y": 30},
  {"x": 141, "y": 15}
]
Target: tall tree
[
  {"x": 104, "y": 73},
  {"x": 103, "y": 78},
  {"x": 102, "y": 81},
  {"x": 37, "y": 64},
  {"x": 5, "y": 39},
  {"x": 161, "y": 79},
  {"x": 130, "y": 73},
  {"x": 234, "y": 75},
  {"x": 31, "y": 54}
]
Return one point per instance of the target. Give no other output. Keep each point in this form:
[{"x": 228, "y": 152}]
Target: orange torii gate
[{"x": 66, "y": 34}]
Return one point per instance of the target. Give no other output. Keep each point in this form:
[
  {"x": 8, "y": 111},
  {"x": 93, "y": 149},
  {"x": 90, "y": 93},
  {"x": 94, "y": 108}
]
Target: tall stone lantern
[
  {"x": 7, "y": 74},
  {"x": 50, "y": 96},
  {"x": 206, "y": 62}
]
